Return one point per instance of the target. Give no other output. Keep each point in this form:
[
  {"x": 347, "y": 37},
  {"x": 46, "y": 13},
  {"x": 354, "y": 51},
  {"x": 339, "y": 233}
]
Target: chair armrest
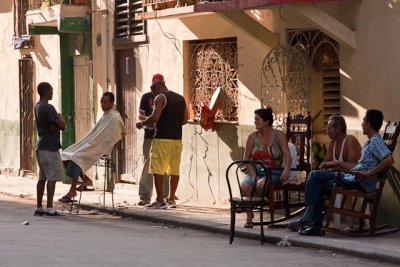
[{"x": 358, "y": 176}]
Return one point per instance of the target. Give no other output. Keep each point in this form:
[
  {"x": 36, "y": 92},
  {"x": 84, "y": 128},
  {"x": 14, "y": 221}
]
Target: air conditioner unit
[{"x": 24, "y": 41}]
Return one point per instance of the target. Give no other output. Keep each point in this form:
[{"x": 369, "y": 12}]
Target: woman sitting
[{"x": 271, "y": 147}]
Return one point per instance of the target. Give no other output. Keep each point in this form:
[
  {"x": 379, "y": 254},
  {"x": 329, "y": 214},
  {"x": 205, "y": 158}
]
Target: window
[
  {"x": 212, "y": 64},
  {"x": 125, "y": 23}
]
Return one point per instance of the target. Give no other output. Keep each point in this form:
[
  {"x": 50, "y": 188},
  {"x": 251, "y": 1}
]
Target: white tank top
[{"x": 341, "y": 150}]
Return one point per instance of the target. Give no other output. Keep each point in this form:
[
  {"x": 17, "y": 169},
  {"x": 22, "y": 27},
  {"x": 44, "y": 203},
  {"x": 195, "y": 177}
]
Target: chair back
[
  {"x": 391, "y": 134},
  {"x": 298, "y": 131},
  {"x": 235, "y": 174}
]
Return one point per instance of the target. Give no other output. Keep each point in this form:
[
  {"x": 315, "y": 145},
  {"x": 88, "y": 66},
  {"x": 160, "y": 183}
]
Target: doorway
[
  {"x": 126, "y": 103},
  {"x": 26, "y": 113}
]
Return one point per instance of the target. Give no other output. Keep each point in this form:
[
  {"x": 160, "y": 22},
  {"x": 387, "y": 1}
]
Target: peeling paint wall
[{"x": 45, "y": 55}]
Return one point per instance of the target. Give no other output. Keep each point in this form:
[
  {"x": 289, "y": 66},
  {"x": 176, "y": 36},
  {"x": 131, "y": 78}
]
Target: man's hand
[{"x": 139, "y": 125}]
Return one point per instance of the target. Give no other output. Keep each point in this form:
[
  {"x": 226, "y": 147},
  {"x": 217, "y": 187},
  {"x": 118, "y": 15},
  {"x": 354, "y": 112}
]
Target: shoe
[
  {"x": 171, "y": 203},
  {"x": 157, "y": 205},
  {"x": 52, "y": 212},
  {"x": 299, "y": 225},
  {"x": 143, "y": 202},
  {"x": 312, "y": 231},
  {"x": 39, "y": 212}
]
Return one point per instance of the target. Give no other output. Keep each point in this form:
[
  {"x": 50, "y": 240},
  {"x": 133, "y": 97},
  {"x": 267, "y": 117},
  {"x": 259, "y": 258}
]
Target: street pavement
[
  {"x": 190, "y": 215},
  {"x": 99, "y": 239}
]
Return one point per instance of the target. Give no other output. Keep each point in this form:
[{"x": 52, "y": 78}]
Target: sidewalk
[{"x": 188, "y": 214}]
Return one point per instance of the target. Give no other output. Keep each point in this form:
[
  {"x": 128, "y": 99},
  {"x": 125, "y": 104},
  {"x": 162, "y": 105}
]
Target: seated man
[
  {"x": 79, "y": 157},
  {"x": 343, "y": 152}
]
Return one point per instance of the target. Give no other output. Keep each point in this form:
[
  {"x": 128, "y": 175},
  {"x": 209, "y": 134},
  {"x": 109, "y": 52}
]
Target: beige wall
[{"x": 46, "y": 68}]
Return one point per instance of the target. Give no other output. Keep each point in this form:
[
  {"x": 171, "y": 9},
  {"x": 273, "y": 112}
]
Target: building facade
[{"x": 325, "y": 57}]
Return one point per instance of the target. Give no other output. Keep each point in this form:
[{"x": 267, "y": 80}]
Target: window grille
[
  {"x": 214, "y": 64},
  {"x": 323, "y": 53}
]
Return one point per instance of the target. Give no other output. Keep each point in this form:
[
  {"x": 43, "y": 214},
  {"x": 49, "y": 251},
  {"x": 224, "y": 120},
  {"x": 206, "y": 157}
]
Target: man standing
[
  {"x": 343, "y": 152},
  {"x": 100, "y": 141},
  {"x": 146, "y": 179},
  {"x": 48, "y": 124},
  {"x": 169, "y": 114}
]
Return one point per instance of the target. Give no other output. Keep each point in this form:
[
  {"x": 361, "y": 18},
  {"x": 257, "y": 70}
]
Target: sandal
[
  {"x": 66, "y": 199},
  {"x": 84, "y": 188},
  {"x": 248, "y": 225}
]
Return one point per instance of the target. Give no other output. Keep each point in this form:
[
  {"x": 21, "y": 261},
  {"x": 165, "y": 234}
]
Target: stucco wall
[{"x": 45, "y": 69}]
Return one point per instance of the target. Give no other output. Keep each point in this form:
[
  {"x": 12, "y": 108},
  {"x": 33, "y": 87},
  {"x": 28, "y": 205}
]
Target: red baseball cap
[{"x": 157, "y": 78}]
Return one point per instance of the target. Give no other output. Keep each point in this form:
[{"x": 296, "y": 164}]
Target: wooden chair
[
  {"x": 240, "y": 203},
  {"x": 360, "y": 211},
  {"x": 290, "y": 197}
]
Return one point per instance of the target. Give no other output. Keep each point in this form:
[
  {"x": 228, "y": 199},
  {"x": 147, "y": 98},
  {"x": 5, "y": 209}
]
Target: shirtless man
[{"x": 343, "y": 153}]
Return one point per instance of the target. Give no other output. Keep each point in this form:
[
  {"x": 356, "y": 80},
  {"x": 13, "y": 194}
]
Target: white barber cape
[{"x": 98, "y": 142}]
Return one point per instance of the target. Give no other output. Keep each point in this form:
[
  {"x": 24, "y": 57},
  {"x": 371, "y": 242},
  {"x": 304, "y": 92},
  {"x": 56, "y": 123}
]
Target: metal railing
[{"x": 34, "y": 4}]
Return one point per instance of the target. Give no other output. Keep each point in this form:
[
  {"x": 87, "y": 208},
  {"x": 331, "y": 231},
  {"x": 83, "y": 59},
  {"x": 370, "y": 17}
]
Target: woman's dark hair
[
  {"x": 375, "y": 118},
  {"x": 265, "y": 114},
  {"x": 43, "y": 88}
]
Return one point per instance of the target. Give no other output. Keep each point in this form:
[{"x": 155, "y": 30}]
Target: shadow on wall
[
  {"x": 228, "y": 133},
  {"x": 6, "y": 7},
  {"x": 41, "y": 54}
]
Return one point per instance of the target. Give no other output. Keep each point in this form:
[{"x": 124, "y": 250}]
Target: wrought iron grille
[
  {"x": 125, "y": 23},
  {"x": 323, "y": 53},
  {"x": 316, "y": 46},
  {"x": 214, "y": 64},
  {"x": 286, "y": 80}
]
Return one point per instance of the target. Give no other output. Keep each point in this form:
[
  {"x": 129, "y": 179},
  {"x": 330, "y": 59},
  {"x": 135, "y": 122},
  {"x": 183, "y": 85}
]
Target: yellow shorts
[{"x": 165, "y": 156}]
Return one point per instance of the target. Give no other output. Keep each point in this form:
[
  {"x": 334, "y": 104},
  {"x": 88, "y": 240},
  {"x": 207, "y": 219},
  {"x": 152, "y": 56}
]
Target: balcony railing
[
  {"x": 35, "y": 4},
  {"x": 163, "y": 4}
]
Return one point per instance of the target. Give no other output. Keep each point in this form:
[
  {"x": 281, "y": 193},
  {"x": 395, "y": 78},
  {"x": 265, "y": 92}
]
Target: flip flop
[
  {"x": 84, "y": 188},
  {"x": 248, "y": 225},
  {"x": 66, "y": 199}
]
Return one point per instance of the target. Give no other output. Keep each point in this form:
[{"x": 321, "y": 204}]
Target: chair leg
[
  {"x": 79, "y": 202},
  {"x": 262, "y": 224},
  {"x": 233, "y": 219}
]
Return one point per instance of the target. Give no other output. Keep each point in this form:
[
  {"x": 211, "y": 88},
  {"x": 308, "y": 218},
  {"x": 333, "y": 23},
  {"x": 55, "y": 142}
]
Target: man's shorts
[
  {"x": 72, "y": 170},
  {"x": 50, "y": 165},
  {"x": 165, "y": 156}
]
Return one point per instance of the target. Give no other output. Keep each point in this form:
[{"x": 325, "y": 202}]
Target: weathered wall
[{"x": 45, "y": 69}]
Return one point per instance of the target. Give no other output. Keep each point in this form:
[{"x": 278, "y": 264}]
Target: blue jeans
[
  {"x": 276, "y": 176},
  {"x": 318, "y": 184}
]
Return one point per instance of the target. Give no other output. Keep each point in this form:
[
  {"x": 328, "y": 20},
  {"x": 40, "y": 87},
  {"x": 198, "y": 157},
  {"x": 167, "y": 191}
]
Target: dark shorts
[{"x": 72, "y": 170}]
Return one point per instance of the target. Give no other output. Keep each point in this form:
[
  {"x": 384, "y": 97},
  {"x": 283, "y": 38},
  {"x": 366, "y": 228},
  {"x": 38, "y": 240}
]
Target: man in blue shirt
[{"x": 375, "y": 158}]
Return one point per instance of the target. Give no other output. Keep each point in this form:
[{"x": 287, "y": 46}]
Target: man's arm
[
  {"x": 159, "y": 103},
  {"x": 328, "y": 160},
  {"x": 60, "y": 122},
  {"x": 383, "y": 165},
  {"x": 185, "y": 115}
]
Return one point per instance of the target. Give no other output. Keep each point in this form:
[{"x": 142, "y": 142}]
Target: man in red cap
[{"x": 169, "y": 114}]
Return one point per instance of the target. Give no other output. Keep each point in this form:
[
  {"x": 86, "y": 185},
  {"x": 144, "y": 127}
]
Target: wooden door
[
  {"x": 82, "y": 116},
  {"x": 26, "y": 113},
  {"x": 126, "y": 103}
]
